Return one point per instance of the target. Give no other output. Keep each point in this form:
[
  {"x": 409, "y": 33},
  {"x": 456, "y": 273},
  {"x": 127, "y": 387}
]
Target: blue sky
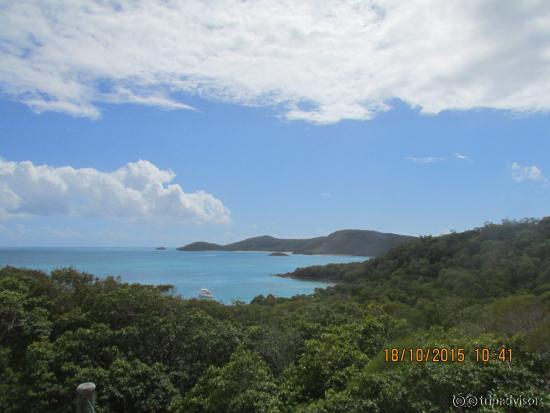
[
  {"x": 285, "y": 178},
  {"x": 448, "y": 148}
]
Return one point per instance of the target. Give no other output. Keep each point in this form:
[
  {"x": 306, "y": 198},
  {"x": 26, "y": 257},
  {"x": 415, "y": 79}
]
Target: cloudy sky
[{"x": 163, "y": 122}]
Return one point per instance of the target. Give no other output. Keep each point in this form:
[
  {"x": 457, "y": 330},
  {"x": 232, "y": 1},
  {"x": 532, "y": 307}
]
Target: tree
[{"x": 244, "y": 385}]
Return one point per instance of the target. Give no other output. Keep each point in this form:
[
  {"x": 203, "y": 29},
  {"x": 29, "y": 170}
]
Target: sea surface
[{"x": 229, "y": 275}]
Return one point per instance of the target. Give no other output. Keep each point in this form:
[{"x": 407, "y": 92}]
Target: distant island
[
  {"x": 346, "y": 242},
  {"x": 161, "y": 248},
  {"x": 278, "y": 254}
]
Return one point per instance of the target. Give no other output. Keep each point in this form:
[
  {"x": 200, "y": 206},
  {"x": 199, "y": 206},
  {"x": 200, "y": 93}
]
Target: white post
[{"x": 85, "y": 398}]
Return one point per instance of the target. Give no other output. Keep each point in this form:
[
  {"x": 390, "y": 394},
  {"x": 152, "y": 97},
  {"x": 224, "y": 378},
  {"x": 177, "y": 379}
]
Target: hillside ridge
[{"x": 343, "y": 242}]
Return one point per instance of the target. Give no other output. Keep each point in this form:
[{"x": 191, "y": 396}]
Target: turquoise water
[{"x": 229, "y": 275}]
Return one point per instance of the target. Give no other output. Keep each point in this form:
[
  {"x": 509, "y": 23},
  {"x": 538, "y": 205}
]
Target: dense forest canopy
[{"x": 149, "y": 350}]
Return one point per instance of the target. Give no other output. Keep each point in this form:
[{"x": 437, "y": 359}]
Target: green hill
[
  {"x": 149, "y": 350},
  {"x": 346, "y": 242}
]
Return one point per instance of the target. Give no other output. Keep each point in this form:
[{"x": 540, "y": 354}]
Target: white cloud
[
  {"x": 316, "y": 61},
  {"x": 326, "y": 194},
  {"x": 461, "y": 157},
  {"x": 522, "y": 173},
  {"x": 432, "y": 159},
  {"x": 428, "y": 159},
  {"x": 137, "y": 190}
]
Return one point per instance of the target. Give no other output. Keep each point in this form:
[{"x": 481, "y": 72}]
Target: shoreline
[
  {"x": 286, "y": 252},
  {"x": 330, "y": 282}
]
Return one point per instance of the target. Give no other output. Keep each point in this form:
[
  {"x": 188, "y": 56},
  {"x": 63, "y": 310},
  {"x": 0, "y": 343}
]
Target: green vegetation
[
  {"x": 346, "y": 242},
  {"x": 151, "y": 351}
]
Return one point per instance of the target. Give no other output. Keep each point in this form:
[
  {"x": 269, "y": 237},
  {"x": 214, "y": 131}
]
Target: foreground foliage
[{"x": 151, "y": 351}]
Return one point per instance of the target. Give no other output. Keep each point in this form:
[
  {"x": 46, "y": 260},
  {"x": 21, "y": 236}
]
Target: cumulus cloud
[
  {"x": 522, "y": 173},
  {"x": 428, "y": 159},
  {"x": 316, "y": 61},
  {"x": 137, "y": 190}
]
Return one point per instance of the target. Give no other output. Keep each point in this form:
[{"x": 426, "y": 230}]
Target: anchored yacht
[{"x": 205, "y": 294}]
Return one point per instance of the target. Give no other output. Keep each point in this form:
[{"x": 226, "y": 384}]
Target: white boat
[{"x": 205, "y": 294}]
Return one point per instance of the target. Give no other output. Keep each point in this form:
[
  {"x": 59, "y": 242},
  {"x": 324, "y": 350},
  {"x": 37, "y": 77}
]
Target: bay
[{"x": 229, "y": 275}]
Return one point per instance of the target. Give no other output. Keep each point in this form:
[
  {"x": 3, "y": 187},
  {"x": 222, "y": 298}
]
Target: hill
[
  {"x": 351, "y": 348},
  {"x": 346, "y": 242},
  {"x": 511, "y": 256}
]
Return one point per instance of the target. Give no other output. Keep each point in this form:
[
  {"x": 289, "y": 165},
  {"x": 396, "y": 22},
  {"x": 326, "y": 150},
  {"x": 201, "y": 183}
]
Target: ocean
[{"x": 229, "y": 275}]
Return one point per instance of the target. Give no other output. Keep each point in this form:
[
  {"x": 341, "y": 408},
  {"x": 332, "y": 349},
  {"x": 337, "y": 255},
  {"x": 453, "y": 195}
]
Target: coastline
[
  {"x": 285, "y": 252},
  {"x": 331, "y": 283}
]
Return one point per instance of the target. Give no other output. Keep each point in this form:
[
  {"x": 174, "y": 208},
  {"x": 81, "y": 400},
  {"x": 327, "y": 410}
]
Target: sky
[{"x": 148, "y": 123}]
